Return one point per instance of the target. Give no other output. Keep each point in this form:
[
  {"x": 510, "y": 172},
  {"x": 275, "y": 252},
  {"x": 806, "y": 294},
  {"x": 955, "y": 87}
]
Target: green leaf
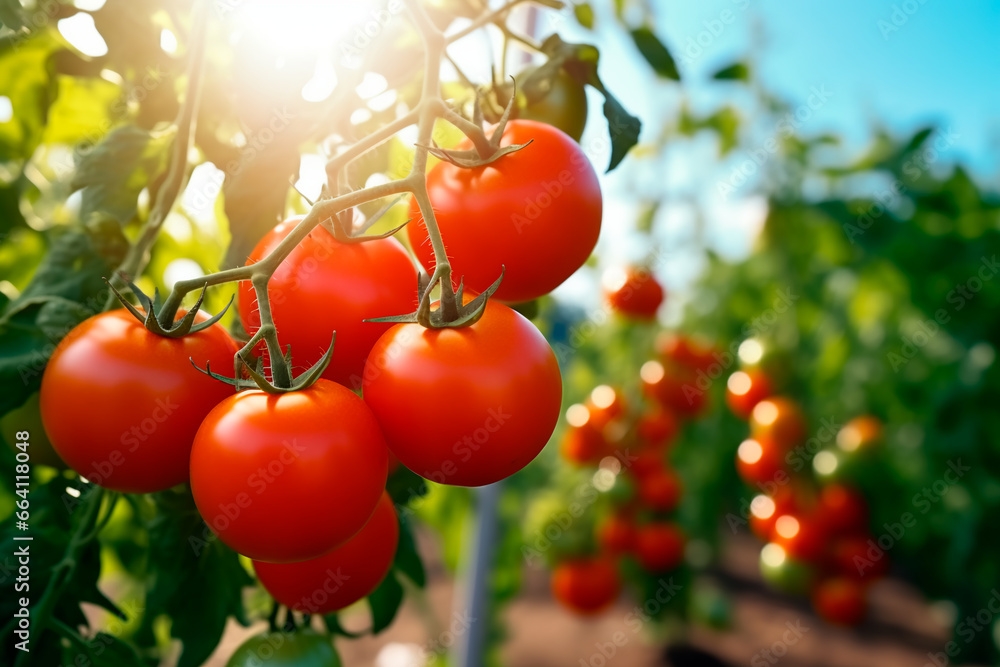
[
  {"x": 26, "y": 80},
  {"x": 385, "y": 602},
  {"x": 584, "y": 15},
  {"x": 103, "y": 650},
  {"x": 655, "y": 53},
  {"x": 114, "y": 172},
  {"x": 28, "y": 337},
  {"x": 407, "y": 559},
  {"x": 734, "y": 72},
  {"x": 580, "y": 61},
  {"x": 82, "y": 111},
  {"x": 12, "y": 15},
  {"x": 197, "y": 580}
]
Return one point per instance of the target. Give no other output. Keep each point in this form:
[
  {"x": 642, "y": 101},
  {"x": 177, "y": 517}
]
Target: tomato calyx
[
  {"x": 257, "y": 376},
  {"x": 343, "y": 229},
  {"x": 486, "y": 149},
  {"x": 452, "y": 312},
  {"x": 152, "y": 315}
]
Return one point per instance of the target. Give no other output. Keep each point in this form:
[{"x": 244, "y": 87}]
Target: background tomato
[
  {"x": 323, "y": 286},
  {"x": 288, "y": 477},
  {"x": 535, "y": 212},
  {"x": 121, "y": 405},
  {"x": 660, "y": 490},
  {"x": 634, "y": 293},
  {"x": 659, "y": 546},
  {"x": 760, "y": 460},
  {"x": 779, "y": 418},
  {"x": 616, "y": 534},
  {"x": 303, "y": 648},
  {"x": 745, "y": 389},
  {"x": 657, "y": 428},
  {"x": 674, "y": 386},
  {"x": 342, "y": 577},
  {"x": 466, "y": 406},
  {"x": 840, "y": 601},
  {"x": 586, "y": 585}
]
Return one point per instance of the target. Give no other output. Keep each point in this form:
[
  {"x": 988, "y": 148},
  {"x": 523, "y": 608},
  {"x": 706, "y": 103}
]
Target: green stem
[
  {"x": 136, "y": 258},
  {"x": 63, "y": 572}
]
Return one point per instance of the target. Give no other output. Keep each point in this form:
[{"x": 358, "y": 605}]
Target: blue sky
[{"x": 905, "y": 63}]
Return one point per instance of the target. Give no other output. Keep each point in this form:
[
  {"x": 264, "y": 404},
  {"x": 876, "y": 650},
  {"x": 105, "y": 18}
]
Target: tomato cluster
[
  {"x": 817, "y": 536},
  {"x": 607, "y": 431}
]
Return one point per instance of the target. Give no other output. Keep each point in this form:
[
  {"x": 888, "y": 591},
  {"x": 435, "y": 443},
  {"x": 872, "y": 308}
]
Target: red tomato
[
  {"x": 467, "y": 406},
  {"x": 586, "y": 585},
  {"x": 765, "y": 510},
  {"x": 635, "y": 293},
  {"x": 323, "y": 286},
  {"x": 616, "y": 535},
  {"x": 342, "y": 577},
  {"x": 584, "y": 445},
  {"x": 645, "y": 463},
  {"x": 535, "y": 212},
  {"x": 288, "y": 477},
  {"x": 688, "y": 351},
  {"x": 840, "y": 601},
  {"x": 745, "y": 389},
  {"x": 859, "y": 557},
  {"x": 121, "y": 405},
  {"x": 803, "y": 536},
  {"x": 674, "y": 387},
  {"x": 843, "y": 509},
  {"x": 605, "y": 405},
  {"x": 659, "y": 546},
  {"x": 779, "y": 418},
  {"x": 657, "y": 428},
  {"x": 661, "y": 490},
  {"x": 760, "y": 460}
]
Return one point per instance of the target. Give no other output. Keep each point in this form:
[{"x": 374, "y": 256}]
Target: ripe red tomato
[
  {"x": 645, "y": 463},
  {"x": 605, "y": 404},
  {"x": 843, "y": 509},
  {"x": 760, "y": 460},
  {"x": 674, "y": 387},
  {"x": 323, "y": 286},
  {"x": 467, "y": 406},
  {"x": 859, "y": 557},
  {"x": 803, "y": 536},
  {"x": 781, "y": 419},
  {"x": 657, "y": 428},
  {"x": 765, "y": 510},
  {"x": 341, "y": 577},
  {"x": 121, "y": 405},
  {"x": 288, "y": 477},
  {"x": 584, "y": 445},
  {"x": 745, "y": 389},
  {"x": 586, "y": 585},
  {"x": 695, "y": 353},
  {"x": 536, "y": 212},
  {"x": 659, "y": 546},
  {"x": 634, "y": 293},
  {"x": 660, "y": 490},
  {"x": 840, "y": 601},
  {"x": 616, "y": 535}
]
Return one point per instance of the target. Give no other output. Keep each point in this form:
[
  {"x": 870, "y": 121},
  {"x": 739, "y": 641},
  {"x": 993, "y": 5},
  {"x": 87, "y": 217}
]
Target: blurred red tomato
[
  {"x": 745, "y": 389},
  {"x": 674, "y": 387},
  {"x": 687, "y": 351},
  {"x": 859, "y": 557},
  {"x": 843, "y": 509},
  {"x": 634, "y": 292},
  {"x": 586, "y": 585},
  {"x": 657, "y": 428},
  {"x": 660, "y": 490},
  {"x": 840, "y": 601},
  {"x": 860, "y": 434},
  {"x": 659, "y": 546},
  {"x": 779, "y": 418},
  {"x": 760, "y": 460}
]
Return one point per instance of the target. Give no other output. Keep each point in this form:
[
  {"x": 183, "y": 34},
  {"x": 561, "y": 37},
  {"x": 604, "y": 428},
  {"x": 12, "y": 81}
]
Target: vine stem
[
  {"x": 494, "y": 16},
  {"x": 63, "y": 572},
  {"x": 136, "y": 258}
]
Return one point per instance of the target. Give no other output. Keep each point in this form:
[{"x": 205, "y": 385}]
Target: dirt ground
[{"x": 900, "y": 632}]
